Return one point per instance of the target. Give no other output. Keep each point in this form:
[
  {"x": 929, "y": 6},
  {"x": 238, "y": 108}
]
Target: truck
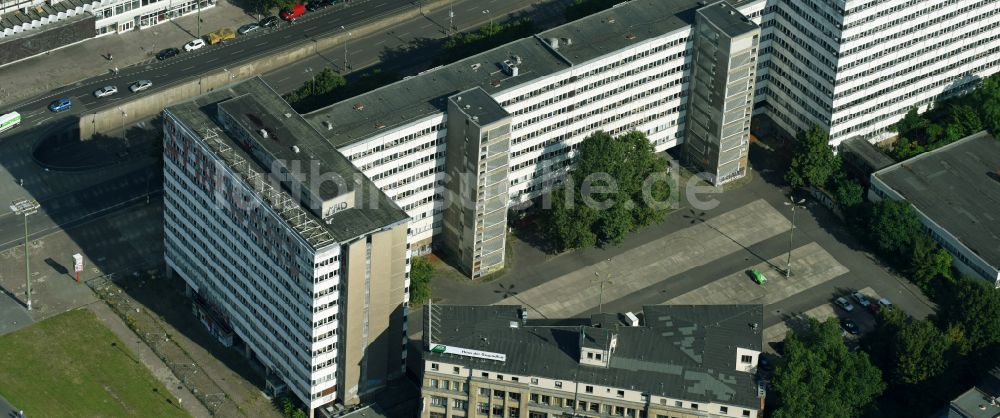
[
  {"x": 220, "y": 35},
  {"x": 298, "y": 9},
  {"x": 9, "y": 121}
]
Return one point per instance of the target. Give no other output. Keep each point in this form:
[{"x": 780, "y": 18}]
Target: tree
[
  {"x": 819, "y": 377},
  {"x": 814, "y": 161},
  {"x": 974, "y": 309},
  {"x": 613, "y": 192},
  {"x": 848, "y": 193},
  {"x": 421, "y": 272},
  {"x": 584, "y": 8},
  {"x": 894, "y": 224},
  {"x": 928, "y": 261},
  {"x": 920, "y": 352},
  {"x": 911, "y": 126}
]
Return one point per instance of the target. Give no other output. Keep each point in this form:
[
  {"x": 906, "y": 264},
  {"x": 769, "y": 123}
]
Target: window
[
  {"x": 514, "y": 412},
  {"x": 483, "y": 408},
  {"x": 513, "y": 378},
  {"x": 499, "y": 394},
  {"x": 484, "y": 392},
  {"x": 746, "y": 413},
  {"x": 678, "y": 404},
  {"x": 534, "y": 381},
  {"x": 434, "y": 366},
  {"x": 434, "y": 383},
  {"x": 460, "y": 404},
  {"x": 455, "y": 370},
  {"x": 746, "y": 359},
  {"x": 446, "y": 384},
  {"x": 621, "y": 393},
  {"x": 486, "y": 375},
  {"x": 588, "y": 389},
  {"x": 558, "y": 385},
  {"x": 515, "y": 396},
  {"x": 533, "y": 397},
  {"x": 499, "y": 377},
  {"x": 694, "y": 406},
  {"x": 723, "y": 409},
  {"x": 590, "y": 355},
  {"x": 439, "y": 401},
  {"x": 595, "y": 407},
  {"x": 598, "y": 356}
]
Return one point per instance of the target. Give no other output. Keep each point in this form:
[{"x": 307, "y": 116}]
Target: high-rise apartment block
[
  {"x": 855, "y": 67},
  {"x": 294, "y": 250}
]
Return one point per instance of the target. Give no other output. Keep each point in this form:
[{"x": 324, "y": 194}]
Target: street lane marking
[
  {"x": 380, "y": 42},
  {"x": 357, "y": 13},
  {"x": 188, "y": 68}
]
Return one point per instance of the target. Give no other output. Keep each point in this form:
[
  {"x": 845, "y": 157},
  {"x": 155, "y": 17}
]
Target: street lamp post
[
  {"x": 312, "y": 90},
  {"x": 451, "y": 18},
  {"x": 794, "y": 204},
  {"x": 345, "y": 48},
  {"x": 25, "y": 207},
  {"x": 124, "y": 134},
  {"x": 490, "y": 14},
  {"x": 604, "y": 281}
]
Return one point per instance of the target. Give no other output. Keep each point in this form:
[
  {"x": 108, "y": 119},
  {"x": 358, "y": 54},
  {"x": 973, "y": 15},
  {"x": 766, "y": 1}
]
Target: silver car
[
  {"x": 140, "y": 86},
  {"x": 247, "y": 28},
  {"x": 105, "y": 91}
]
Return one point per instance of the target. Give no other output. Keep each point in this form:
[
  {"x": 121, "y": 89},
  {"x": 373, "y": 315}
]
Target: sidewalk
[
  {"x": 53, "y": 70},
  {"x": 149, "y": 359}
]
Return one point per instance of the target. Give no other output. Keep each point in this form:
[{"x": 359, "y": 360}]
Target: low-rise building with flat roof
[
  {"x": 678, "y": 361},
  {"x": 955, "y": 190}
]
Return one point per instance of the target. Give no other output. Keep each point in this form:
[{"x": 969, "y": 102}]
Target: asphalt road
[{"x": 187, "y": 64}]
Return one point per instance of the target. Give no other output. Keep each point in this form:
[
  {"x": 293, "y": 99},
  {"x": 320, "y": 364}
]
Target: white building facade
[
  {"x": 112, "y": 16},
  {"x": 855, "y": 67}
]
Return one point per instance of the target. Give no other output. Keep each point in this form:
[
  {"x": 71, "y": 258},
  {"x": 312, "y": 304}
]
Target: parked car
[
  {"x": 220, "y": 36},
  {"x": 269, "y": 22},
  {"x": 140, "y": 86},
  {"x": 167, "y": 53},
  {"x": 291, "y": 13},
  {"x": 885, "y": 303},
  {"x": 861, "y": 299},
  {"x": 844, "y": 304},
  {"x": 195, "y": 44},
  {"x": 105, "y": 91},
  {"x": 247, "y": 28},
  {"x": 758, "y": 276},
  {"x": 848, "y": 325},
  {"x": 60, "y": 105}
]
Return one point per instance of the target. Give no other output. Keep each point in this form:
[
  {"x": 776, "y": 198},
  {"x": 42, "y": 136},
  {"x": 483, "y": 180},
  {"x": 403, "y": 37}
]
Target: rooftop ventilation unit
[
  {"x": 610, "y": 19},
  {"x": 476, "y": 66},
  {"x": 553, "y": 43},
  {"x": 287, "y": 115},
  {"x": 329, "y": 126},
  {"x": 567, "y": 41},
  {"x": 295, "y": 149},
  {"x": 510, "y": 65},
  {"x": 359, "y": 106},
  {"x": 263, "y": 133}
]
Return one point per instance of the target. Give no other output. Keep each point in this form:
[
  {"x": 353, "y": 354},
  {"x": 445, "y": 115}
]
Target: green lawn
[{"x": 71, "y": 365}]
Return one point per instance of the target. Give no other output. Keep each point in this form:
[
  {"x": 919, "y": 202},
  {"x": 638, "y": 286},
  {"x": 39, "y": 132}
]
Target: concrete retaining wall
[{"x": 128, "y": 112}]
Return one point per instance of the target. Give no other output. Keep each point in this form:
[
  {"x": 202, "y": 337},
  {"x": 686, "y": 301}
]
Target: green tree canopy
[
  {"x": 814, "y": 162},
  {"x": 920, "y": 352},
  {"x": 973, "y": 308},
  {"x": 894, "y": 226},
  {"x": 616, "y": 189},
  {"x": 929, "y": 261},
  {"x": 421, "y": 272},
  {"x": 819, "y": 377}
]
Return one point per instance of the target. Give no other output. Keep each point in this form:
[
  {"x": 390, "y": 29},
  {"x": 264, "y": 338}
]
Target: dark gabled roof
[{"x": 684, "y": 352}]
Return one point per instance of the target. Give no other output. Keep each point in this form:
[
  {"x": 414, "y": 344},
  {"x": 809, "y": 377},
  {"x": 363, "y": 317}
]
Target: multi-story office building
[
  {"x": 620, "y": 70},
  {"x": 685, "y": 361},
  {"x": 720, "y": 99},
  {"x": 302, "y": 256},
  {"x": 112, "y": 16},
  {"x": 855, "y": 67}
]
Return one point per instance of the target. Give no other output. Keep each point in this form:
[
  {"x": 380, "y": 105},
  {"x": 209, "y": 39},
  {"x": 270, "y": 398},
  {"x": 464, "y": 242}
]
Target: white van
[{"x": 9, "y": 121}]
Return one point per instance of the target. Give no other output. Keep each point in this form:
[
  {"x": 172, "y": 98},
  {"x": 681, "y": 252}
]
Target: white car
[
  {"x": 861, "y": 299},
  {"x": 844, "y": 304},
  {"x": 105, "y": 91},
  {"x": 140, "y": 86},
  {"x": 194, "y": 44}
]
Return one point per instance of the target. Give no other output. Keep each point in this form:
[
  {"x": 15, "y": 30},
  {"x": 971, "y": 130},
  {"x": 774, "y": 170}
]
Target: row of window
[
  {"x": 909, "y": 30},
  {"x": 396, "y": 142}
]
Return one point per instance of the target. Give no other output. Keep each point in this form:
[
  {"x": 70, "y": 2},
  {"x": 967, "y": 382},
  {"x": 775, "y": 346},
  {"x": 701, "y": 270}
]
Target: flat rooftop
[
  {"x": 730, "y": 21},
  {"x": 424, "y": 95},
  {"x": 479, "y": 106},
  {"x": 958, "y": 187},
  {"x": 254, "y": 104},
  {"x": 682, "y": 351}
]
